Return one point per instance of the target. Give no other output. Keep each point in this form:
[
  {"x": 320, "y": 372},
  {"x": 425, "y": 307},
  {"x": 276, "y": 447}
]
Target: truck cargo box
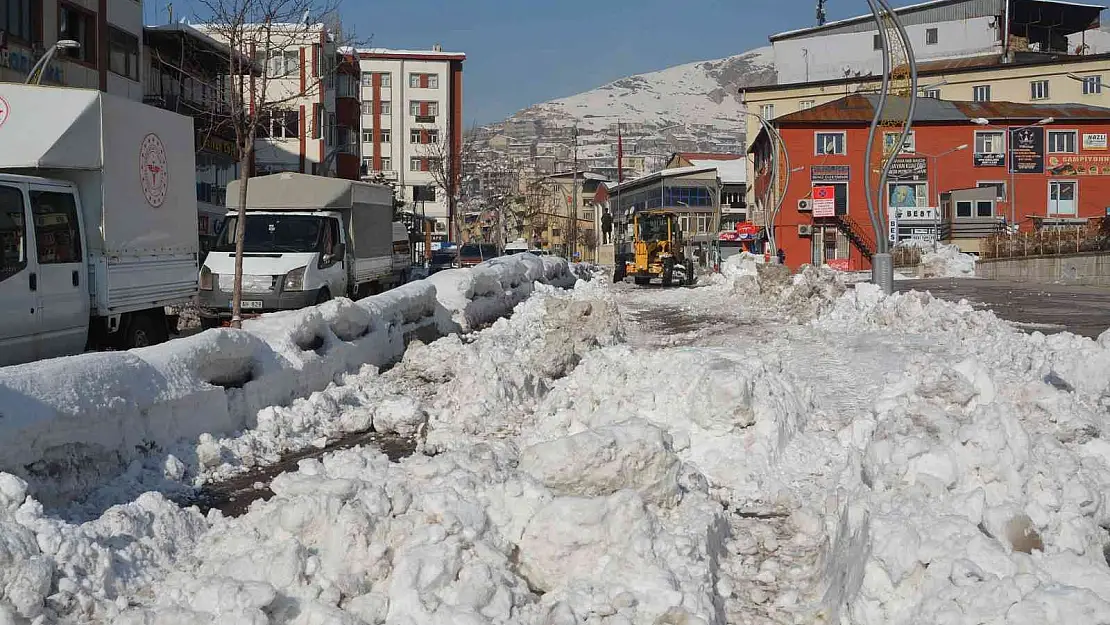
[{"x": 135, "y": 168}]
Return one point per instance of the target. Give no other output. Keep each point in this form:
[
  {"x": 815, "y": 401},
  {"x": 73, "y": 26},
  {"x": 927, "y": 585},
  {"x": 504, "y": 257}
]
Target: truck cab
[
  {"x": 290, "y": 260},
  {"x": 44, "y": 291}
]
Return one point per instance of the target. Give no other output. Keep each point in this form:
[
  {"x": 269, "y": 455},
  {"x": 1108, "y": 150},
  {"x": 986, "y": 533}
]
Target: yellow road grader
[{"x": 658, "y": 251}]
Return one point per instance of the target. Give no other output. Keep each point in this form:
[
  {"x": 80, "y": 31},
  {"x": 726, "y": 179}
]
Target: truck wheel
[
  {"x": 324, "y": 296},
  {"x": 143, "y": 331}
]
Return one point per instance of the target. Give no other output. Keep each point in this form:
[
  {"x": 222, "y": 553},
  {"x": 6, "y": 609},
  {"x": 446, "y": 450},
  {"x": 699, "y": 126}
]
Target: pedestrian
[{"x": 782, "y": 256}]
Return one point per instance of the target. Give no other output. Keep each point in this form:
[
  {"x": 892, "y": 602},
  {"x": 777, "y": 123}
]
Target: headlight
[
  {"x": 207, "y": 278},
  {"x": 294, "y": 280}
]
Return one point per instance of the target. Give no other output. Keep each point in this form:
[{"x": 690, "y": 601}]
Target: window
[
  {"x": 56, "y": 235},
  {"x": 805, "y": 104},
  {"x": 981, "y": 93},
  {"x": 13, "y": 233},
  {"x": 931, "y": 93},
  {"x": 932, "y": 37},
  {"x": 990, "y": 142},
  {"x": 424, "y": 81},
  {"x": 367, "y": 107},
  {"x": 419, "y": 108},
  {"x": 279, "y": 125},
  {"x": 1092, "y": 85},
  {"x": 385, "y": 107},
  {"x": 1062, "y": 141},
  {"x": 963, "y": 208},
  {"x": 416, "y": 164},
  {"x": 79, "y": 25},
  {"x": 1061, "y": 197},
  {"x": 984, "y": 208},
  {"x": 767, "y": 111},
  {"x": 280, "y": 62},
  {"x": 1000, "y": 189},
  {"x": 417, "y": 135},
  {"x": 1038, "y": 90},
  {"x": 367, "y": 135},
  {"x": 367, "y": 79},
  {"x": 385, "y": 135},
  {"x": 890, "y": 138},
  {"x": 123, "y": 54},
  {"x": 387, "y": 80},
  {"x": 877, "y": 43},
  {"x": 18, "y": 19},
  {"x": 829, "y": 143},
  {"x": 387, "y": 163}
]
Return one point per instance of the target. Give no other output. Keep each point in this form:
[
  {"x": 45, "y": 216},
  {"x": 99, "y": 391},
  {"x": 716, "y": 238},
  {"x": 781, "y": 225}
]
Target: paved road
[{"x": 1048, "y": 308}]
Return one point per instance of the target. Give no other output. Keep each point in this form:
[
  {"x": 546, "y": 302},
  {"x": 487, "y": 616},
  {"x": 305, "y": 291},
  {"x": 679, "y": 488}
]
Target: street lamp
[
  {"x": 936, "y": 173},
  {"x": 35, "y": 75},
  {"x": 982, "y": 121}
]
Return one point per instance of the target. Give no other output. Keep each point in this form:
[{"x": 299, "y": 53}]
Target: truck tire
[
  {"x": 324, "y": 296},
  {"x": 143, "y": 330},
  {"x": 668, "y": 271}
]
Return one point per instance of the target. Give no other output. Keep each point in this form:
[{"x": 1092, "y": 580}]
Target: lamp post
[
  {"x": 935, "y": 158},
  {"x": 34, "y": 77},
  {"x": 980, "y": 121}
]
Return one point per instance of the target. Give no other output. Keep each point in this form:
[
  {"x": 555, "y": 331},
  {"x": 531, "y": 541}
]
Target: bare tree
[
  {"x": 447, "y": 164},
  {"x": 280, "y": 52}
]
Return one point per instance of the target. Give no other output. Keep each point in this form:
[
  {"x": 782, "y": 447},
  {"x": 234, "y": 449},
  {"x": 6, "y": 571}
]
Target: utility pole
[{"x": 574, "y": 210}]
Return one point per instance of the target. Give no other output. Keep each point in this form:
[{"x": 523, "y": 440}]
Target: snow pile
[
  {"x": 866, "y": 306},
  {"x": 947, "y": 261},
  {"x": 795, "y": 298},
  {"x": 68, "y": 423}
]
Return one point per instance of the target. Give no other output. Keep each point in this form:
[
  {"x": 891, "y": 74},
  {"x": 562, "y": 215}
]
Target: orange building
[{"x": 967, "y": 170}]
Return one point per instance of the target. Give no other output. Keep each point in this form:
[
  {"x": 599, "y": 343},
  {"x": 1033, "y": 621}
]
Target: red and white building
[
  {"x": 411, "y": 116},
  {"x": 968, "y": 170}
]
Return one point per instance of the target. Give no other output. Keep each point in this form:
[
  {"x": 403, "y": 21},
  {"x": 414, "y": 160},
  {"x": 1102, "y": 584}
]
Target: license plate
[{"x": 250, "y": 304}]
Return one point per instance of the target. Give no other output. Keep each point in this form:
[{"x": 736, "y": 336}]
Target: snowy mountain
[{"x": 699, "y": 94}]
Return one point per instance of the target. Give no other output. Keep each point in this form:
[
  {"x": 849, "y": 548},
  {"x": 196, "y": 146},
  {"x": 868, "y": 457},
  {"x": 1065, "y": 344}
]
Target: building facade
[
  {"x": 109, "y": 33},
  {"x": 967, "y": 171},
  {"x": 411, "y": 106},
  {"x": 732, "y": 175}
]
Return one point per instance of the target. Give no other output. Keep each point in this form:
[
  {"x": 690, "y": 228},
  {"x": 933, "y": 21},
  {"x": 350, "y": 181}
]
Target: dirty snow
[{"x": 764, "y": 448}]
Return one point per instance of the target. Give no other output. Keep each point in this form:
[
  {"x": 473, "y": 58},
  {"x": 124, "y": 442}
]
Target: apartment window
[
  {"x": 79, "y": 25},
  {"x": 414, "y": 136},
  {"x": 931, "y": 93},
  {"x": 829, "y": 143},
  {"x": 433, "y": 136},
  {"x": 385, "y": 107},
  {"x": 767, "y": 111},
  {"x": 418, "y": 108},
  {"x": 387, "y": 163},
  {"x": 981, "y": 93},
  {"x": 1038, "y": 90},
  {"x": 990, "y": 142},
  {"x": 123, "y": 54},
  {"x": 385, "y": 135},
  {"x": 367, "y": 107},
  {"x": 1092, "y": 85},
  {"x": 387, "y": 80},
  {"x": 805, "y": 104},
  {"x": 891, "y": 138},
  {"x": 424, "y": 81},
  {"x": 999, "y": 189},
  {"x": 417, "y": 164},
  {"x": 1062, "y": 141},
  {"x": 877, "y": 43},
  {"x": 367, "y": 164},
  {"x": 280, "y": 62},
  {"x": 280, "y": 125},
  {"x": 367, "y": 79},
  {"x": 18, "y": 19},
  {"x": 367, "y": 135},
  {"x": 932, "y": 37},
  {"x": 963, "y": 208}
]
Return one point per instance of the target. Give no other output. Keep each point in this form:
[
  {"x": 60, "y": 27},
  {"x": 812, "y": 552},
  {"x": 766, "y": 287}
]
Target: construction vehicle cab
[{"x": 658, "y": 247}]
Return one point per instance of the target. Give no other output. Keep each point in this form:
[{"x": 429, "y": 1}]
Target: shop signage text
[
  {"x": 21, "y": 61},
  {"x": 1027, "y": 150}
]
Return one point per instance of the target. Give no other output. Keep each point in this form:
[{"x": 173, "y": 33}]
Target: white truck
[
  {"x": 307, "y": 239},
  {"x": 98, "y": 221}
]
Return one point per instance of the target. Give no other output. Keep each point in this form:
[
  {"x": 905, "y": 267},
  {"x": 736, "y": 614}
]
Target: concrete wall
[{"x": 1091, "y": 269}]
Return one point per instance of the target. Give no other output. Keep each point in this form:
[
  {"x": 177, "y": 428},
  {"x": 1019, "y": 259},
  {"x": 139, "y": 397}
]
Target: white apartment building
[
  {"x": 938, "y": 29},
  {"x": 412, "y": 118},
  {"x": 109, "y": 32},
  {"x": 303, "y": 88}
]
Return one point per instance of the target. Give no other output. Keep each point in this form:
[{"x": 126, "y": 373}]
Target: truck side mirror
[{"x": 339, "y": 251}]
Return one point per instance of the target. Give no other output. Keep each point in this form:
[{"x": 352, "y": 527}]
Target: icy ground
[{"x": 759, "y": 449}]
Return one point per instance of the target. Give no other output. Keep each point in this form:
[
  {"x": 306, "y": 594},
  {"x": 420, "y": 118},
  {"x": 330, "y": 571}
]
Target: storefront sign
[
  {"x": 918, "y": 213},
  {"x": 21, "y": 61},
  {"x": 1027, "y": 150},
  {"x": 824, "y": 201},
  {"x": 909, "y": 170},
  {"x": 839, "y": 264},
  {"x": 219, "y": 145},
  {"x": 1078, "y": 165},
  {"x": 830, "y": 173},
  {"x": 989, "y": 160},
  {"x": 1095, "y": 141},
  {"x": 728, "y": 235}
]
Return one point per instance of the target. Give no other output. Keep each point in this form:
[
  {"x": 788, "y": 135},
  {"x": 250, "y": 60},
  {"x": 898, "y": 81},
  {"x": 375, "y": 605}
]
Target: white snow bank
[
  {"x": 65, "y": 423},
  {"x": 947, "y": 261}
]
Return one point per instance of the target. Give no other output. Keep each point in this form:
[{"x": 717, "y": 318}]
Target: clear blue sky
[{"x": 520, "y": 52}]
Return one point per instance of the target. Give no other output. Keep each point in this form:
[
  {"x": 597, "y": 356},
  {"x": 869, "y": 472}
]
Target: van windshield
[{"x": 277, "y": 233}]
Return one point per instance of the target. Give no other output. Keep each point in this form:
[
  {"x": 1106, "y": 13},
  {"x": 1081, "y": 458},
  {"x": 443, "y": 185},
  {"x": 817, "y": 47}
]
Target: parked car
[
  {"x": 443, "y": 259},
  {"x": 473, "y": 253}
]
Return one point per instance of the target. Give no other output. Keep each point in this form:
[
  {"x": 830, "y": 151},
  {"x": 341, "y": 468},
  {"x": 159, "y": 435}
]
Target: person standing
[
  {"x": 607, "y": 228},
  {"x": 781, "y": 256}
]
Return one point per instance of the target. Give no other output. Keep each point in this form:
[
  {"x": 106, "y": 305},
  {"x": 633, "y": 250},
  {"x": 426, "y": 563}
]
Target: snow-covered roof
[
  {"x": 393, "y": 52},
  {"x": 659, "y": 175},
  {"x": 730, "y": 171}
]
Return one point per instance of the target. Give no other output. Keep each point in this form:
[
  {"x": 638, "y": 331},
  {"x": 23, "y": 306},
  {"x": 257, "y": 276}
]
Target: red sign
[
  {"x": 824, "y": 201},
  {"x": 728, "y": 236},
  {"x": 747, "y": 228},
  {"x": 839, "y": 264}
]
